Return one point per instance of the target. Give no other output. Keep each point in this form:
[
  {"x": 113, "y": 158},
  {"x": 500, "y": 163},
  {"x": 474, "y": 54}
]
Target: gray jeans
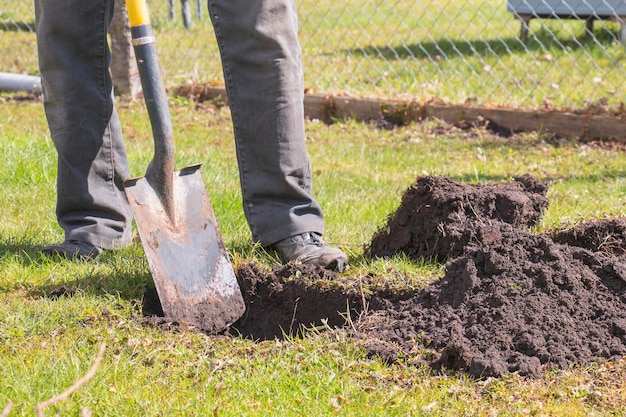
[{"x": 261, "y": 60}]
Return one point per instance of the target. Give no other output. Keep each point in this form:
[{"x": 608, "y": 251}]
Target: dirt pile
[
  {"x": 282, "y": 300},
  {"x": 439, "y": 218},
  {"x": 510, "y": 300},
  {"x": 513, "y": 305}
]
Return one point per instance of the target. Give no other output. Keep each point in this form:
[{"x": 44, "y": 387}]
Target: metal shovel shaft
[{"x": 160, "y": 171}]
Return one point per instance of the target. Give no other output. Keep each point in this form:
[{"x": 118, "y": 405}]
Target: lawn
[{"x": 55, "y": 316}]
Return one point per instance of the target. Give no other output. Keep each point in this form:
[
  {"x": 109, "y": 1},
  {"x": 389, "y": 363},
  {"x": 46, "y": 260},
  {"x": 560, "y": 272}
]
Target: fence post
[{"x": 123, "y": 65}]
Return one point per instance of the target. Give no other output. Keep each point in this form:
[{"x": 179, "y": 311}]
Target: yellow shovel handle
[{"x": 137, "y": 12}]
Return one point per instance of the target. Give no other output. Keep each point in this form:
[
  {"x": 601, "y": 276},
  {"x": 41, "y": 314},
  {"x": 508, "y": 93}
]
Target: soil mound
[
  {"x": 439, "y": 218},
  {"x": 282, "y": 300},
  {"x": 514, "y": 305},
  {"x": 510, "y": 300}
]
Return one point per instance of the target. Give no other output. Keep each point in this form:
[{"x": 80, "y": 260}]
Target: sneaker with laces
[
  {"x": 74, "y": 250},
  {"x": 310, "y": 249}
]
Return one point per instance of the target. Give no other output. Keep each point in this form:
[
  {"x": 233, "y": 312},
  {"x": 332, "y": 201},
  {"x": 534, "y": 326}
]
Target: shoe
[
  {"x": 74, "y": 250},
  {"x": 310, "y": 249}
]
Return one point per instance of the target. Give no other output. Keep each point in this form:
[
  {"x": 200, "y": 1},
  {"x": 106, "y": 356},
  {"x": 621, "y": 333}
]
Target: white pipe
[{"x": 20, "y": 82}]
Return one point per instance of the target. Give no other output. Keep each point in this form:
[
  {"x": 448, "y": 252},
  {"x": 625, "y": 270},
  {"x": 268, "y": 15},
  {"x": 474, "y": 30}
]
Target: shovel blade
[{"x": 192, "y": 273}]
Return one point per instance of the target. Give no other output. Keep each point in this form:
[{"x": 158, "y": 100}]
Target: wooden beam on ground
[{"x": 583, "y": 125}]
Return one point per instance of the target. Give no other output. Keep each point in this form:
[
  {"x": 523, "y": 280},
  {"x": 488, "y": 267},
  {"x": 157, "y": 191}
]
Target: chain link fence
[{"x": 512, "y": 53}]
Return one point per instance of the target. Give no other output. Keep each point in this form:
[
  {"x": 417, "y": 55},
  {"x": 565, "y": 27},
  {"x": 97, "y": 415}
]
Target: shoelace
[{"x": 315, "y": 240}]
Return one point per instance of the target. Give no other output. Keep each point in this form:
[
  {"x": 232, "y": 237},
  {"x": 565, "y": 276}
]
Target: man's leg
[
  {"x": 261, "y": 59},
  {"x": 78, "y": 100}
]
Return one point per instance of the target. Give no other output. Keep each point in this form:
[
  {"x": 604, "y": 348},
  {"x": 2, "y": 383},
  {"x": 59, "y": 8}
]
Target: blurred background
[{"x": 515, "y": 53}]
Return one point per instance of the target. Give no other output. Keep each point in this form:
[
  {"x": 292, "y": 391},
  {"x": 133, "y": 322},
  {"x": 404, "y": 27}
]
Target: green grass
[{"x": 49, "y": 338}]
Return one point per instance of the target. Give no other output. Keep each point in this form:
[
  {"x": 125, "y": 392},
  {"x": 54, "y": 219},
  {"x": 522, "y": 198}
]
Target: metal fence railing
[{"x": 514, "y": 53}]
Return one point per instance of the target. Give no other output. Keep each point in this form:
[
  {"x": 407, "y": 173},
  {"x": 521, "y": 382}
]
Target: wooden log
[{"x": 583, "y": 125}]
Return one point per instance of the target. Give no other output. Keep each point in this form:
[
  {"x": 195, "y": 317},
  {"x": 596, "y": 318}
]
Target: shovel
[{"x": 192, "y": 273}]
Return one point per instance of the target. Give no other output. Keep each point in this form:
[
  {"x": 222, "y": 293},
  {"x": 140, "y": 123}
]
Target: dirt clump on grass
[
  {"x": 439, "y": 217},
  {"x": 509, "y": 301}
]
